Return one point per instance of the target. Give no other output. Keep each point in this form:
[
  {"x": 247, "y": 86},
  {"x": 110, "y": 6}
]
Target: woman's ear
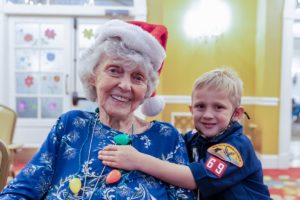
[
  {"x": 92, "y": 80},
  {"x": 238, "y": 114}
]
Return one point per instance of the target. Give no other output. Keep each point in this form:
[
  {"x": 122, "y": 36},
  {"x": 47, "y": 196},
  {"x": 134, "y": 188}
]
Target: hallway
[
  {"x": 284, "y": 184},
  {"x": 295, "y": 145}
]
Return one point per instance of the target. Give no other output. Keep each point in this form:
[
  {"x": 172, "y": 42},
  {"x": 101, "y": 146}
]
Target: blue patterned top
[{"x": 65, "y": 155}]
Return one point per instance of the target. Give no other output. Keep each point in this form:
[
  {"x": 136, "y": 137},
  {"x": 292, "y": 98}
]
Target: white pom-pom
[{"x": 152, "y": 106}]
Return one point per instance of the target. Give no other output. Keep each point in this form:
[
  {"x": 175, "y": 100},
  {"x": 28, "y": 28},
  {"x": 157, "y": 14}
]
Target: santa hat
[
  {"x": 150, "y": 40},
  {"x": 153, "y": 105}
]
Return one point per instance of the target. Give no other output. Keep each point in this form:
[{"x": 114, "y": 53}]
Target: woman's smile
[{"x": 120, "y": 98}]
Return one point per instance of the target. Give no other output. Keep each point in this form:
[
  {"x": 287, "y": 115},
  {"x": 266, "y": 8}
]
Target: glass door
[{"x": 40, "y": 66}]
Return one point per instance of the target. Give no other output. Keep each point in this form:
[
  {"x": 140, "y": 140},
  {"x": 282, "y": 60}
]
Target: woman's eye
[
  {"x": 113, "y": 70},
  {"x": 139, "y": 78}
]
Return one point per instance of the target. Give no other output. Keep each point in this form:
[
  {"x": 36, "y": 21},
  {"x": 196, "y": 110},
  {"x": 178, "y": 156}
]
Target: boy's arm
[{"x": 128, "y": 158}]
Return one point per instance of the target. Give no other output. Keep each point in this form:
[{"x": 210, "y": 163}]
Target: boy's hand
[{"x": 120, "y": 156}]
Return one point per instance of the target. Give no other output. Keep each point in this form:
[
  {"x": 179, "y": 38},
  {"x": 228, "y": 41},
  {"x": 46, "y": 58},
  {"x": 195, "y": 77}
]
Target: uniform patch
[
  {"x": 227, "y": 153},
  {"x": 216, "y": 166}
]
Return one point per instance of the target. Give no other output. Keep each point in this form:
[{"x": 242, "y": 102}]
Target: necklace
[{"x": 112, "y": 177}]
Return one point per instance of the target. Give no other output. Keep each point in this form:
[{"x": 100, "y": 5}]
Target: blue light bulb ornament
[{"x": 122, "y": 139}]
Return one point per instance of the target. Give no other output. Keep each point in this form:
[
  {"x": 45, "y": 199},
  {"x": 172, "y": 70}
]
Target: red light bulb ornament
[{"x": 113, "y": 177}]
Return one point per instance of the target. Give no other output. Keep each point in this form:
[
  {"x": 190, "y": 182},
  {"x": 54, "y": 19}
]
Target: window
[{"x": 74, "y": 2}]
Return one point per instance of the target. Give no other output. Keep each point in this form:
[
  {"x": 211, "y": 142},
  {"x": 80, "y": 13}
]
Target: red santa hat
[
  {"x": 150, "y": 40},
  {"x": 153, "y": 105}
]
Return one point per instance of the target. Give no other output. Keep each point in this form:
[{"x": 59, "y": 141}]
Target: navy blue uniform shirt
[{"x": 226, "y": 167}]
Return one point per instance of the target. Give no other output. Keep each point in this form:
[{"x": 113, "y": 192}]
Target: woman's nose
[{"x": 125, "y": 83}]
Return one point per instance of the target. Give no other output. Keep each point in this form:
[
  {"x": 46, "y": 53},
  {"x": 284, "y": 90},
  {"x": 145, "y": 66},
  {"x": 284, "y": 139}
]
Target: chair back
[
  {"x": 8, "y": 119},
  {"x": 4, "y": 164}
]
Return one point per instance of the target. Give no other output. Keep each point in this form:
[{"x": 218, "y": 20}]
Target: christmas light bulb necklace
[{"x": 112, "y": 177}]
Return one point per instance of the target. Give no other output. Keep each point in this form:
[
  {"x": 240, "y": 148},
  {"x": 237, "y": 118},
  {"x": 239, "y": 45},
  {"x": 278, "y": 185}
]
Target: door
[{"x": 40, "y": 68}]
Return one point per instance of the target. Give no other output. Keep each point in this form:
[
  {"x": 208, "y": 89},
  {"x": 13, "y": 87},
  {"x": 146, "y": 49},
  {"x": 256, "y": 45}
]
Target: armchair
[
  {"x": 4, "y": 164},
  {"x": 8, "y": 119}
]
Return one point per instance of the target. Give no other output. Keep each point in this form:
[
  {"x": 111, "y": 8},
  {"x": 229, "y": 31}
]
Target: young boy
[{"x": 223, "y": 162}]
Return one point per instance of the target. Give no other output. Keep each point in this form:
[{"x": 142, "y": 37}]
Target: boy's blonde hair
[{"x": 225, "y": 79}]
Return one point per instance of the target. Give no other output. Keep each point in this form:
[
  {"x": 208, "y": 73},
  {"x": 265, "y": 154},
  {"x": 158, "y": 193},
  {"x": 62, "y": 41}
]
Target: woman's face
[{"x": 120, "y": 88}]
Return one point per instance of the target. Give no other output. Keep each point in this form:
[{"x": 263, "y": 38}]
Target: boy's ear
[
  {"x": 191, "y": 109},
  {"x": 238, "y": 114}
]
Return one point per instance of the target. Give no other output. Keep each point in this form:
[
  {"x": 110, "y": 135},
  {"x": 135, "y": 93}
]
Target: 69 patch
[{"x": 216, "y": 166}]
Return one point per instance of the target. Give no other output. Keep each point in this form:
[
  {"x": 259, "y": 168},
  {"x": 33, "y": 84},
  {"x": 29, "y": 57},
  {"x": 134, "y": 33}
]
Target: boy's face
[{"x": 212, "y": 110}]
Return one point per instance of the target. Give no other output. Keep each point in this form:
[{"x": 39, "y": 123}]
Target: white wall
[{"x": 1, "y": 54}]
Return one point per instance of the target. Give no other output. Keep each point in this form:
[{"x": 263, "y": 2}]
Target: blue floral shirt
[{"x": 71, "y": 151}]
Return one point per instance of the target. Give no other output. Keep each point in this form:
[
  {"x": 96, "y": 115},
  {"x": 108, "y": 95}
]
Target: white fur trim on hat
[
  {"x": 152, "y": 106},
  {"x": 135, "y": 38}
]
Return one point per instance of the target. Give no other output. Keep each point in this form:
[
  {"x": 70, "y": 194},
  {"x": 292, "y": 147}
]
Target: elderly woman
[{"x": 120, "y": 72}]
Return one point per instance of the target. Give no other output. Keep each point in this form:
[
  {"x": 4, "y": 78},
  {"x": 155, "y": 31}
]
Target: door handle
[{"x": 76, "y": 98}]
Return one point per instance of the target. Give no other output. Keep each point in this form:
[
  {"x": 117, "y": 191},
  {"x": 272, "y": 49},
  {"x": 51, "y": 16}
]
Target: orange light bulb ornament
[{"x": 113, "y": 177}]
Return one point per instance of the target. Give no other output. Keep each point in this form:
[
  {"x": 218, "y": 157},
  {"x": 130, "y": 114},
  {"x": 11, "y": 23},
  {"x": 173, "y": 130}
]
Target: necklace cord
[{"x": 90, "y": 147}]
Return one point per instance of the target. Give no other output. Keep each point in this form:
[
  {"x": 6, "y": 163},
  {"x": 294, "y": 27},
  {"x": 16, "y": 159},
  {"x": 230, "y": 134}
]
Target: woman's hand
[{"x": 120, "y": 156}]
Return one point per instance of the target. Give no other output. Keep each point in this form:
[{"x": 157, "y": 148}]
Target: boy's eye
[
  {"x": 199, "y": 106},
  {"x": 219, "y": 107}
]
